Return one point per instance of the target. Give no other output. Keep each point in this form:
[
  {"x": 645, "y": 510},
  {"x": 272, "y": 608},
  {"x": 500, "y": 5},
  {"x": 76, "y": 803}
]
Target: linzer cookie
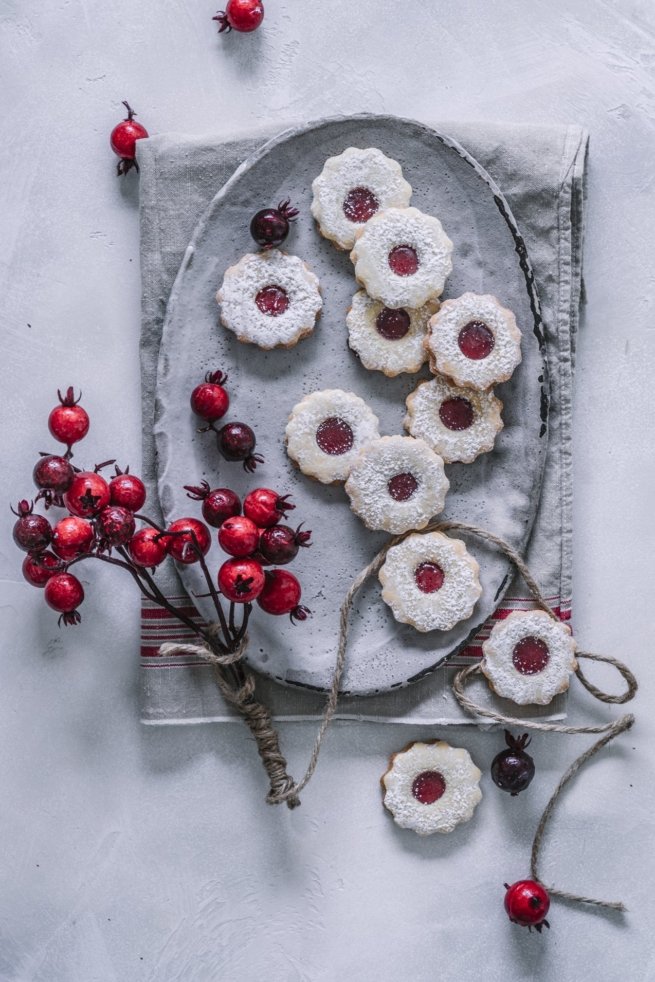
[
  {"x": 396, "y": 484},
  {"x": 351, "y": 188},
  {"x": 430, "y": 581},
  {"x": 431, "y": 787},
  {"x": 458, "y": 423},
  {"x": 327, "y": 430},
  {"x": 474, "y": 341},
  {"x": 402, "y": 257},
  {"x": 529, "y": 657},
  {"x": 388, "y": 340},
  {"x": 270, "y": 299}
]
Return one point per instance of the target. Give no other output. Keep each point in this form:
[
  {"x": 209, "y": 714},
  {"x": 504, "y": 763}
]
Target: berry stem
[{"x": 130, "y": 112}]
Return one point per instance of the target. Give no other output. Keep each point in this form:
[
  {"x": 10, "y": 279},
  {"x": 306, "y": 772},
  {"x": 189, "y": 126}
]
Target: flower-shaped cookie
[
  {"x": 327, "y": 430},
  {"x": 402, "y": 257},
  {"x": 388, "y": 340},
  {"x": 431, "y": 787},
  {"x": 474, "y": 341},
  {"x": 430, "y": 581},
  {"x": 270, "y": 299},
  {"x": 351, "y": 188},
  {"x": 529, "y": 657},
  {"x": 458, "y": 423},
  {"x": 396, "y": 484}
]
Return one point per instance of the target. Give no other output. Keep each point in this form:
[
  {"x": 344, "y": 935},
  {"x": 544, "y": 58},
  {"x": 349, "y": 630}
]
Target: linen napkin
[{"x": 541, "y": 170}]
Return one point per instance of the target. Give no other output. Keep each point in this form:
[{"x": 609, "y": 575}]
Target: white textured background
[{"x": 130, "y": 853}]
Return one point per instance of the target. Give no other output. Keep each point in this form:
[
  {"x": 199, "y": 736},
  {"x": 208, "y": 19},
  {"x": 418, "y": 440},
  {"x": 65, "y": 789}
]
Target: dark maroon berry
[
  {"x": 270, "y": 226},
  {"x": 38, "y": 569},
  {"x": 52, "y": 473},
  {"x": 512, "y": 770},
  {"x": 32, "y": 533},
  {"x": 116, "y": 525},
  {"x": 236, "y": 441},
  {"x": 279, "y": 544},
  {"x": 217, "y": 505}
]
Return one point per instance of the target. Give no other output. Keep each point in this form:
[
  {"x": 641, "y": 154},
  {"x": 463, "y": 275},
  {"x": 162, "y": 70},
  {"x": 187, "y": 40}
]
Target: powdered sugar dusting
[
  {"x": 443, "y": 348},
  {"x": 498, "y": 666},
  {"x": 355, "y": 168},
  {"x": 423, "y": 420},
  {"x": 368, "y": 484},
  {"x": 402, "y": 227},
  {"x": 255, "y": 271},
  {"x": 438, "y": 611}
]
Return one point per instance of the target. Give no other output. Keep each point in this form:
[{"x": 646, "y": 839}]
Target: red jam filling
[
  {"x": 334, "y": 436},
  {"x": 359, "y": 205},
  {"x": 429, "y": 577},
  {"x": 272, "y": 300},
  {"x": 530, "y": 656},
  {"x": 403, "y": 260},
  {"x": 401, "y": 487},
  {"x": 476, "y": 340},
  {"x": 428, "y": 787},
  {"x": 456, "y": 413},
  {"x": 392, "y": 324}
]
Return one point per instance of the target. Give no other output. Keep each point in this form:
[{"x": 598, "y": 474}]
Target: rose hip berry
[
  {"x": 148, "y": 548},
  {"x": 32, "y": 533},
  {"x": 64, "y": 592},
  {"x": 281, "y": 595},
  {"x": 53, "y": 473},
  {"x": 68, "y": 422},
  {"x": 38, "y": 569},
  {"x": 87, "y": 495},
  {"x": 116, "y": 525},
  {"x": 236, "y": 441},
  {"x": 127, "y": 491},
  {"x": 217, "y": 505},
  {"x": 241, "y": 580},
  {"x": 72, "y": 537},
  {"x": 210, "y": 399},
  {"x": 266, "y": 507},
  {"x": 279, "y": 544},
  {"x": 527, "y": 904},
  {"x": 238, "y": 536},
  {"x": 270, "y": 226},
  {"x": 512, "y": 770},
  {"x": 240, "y": 15},
  {"x": 180, "y": 544},
  {"x": 123, "y": 141}
]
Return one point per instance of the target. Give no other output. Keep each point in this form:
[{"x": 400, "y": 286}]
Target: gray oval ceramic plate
[{"x": 500, "y": 491}]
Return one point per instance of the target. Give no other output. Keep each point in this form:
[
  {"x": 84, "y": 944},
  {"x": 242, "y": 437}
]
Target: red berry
[
  {"x": 181, "y": 547},
  {"x": 240, "y": 15},
  {"x": 210, "y": 399},
  {"x": 64, "y": 592},
  {"x": 270, "y": 226},
  {"x": 279, "y": 544},
  {"x": 72, "y": 537},
  {"x": 241, "y": 580},
  {"x": 32, "y": 533},
  {"x": 87, "y": 495},
  {"x": 127, "y": 491},
  {"x": 53, "y": 473},
  {"x": 527, "y": 903},
  {"x": 281, "y": 595},
  {"x": 236, "y": 441},
  {"x": 68, "y": 422},
  {"x": 238, "y": 536},
  {"x": 148, "y": 547},
  {"x": 266, "y": 507},
  {"x": 513, "y": 769},
  {"x": 123, "y": 141},
  {"x": 217, "y": 505},
  {"x": 38, "y": 569},
  {"x": 116, "y": 525}
]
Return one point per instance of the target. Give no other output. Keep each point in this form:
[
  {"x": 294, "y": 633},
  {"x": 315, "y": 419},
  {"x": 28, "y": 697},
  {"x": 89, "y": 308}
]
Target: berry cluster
[{"x": 101, "y": 523}]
